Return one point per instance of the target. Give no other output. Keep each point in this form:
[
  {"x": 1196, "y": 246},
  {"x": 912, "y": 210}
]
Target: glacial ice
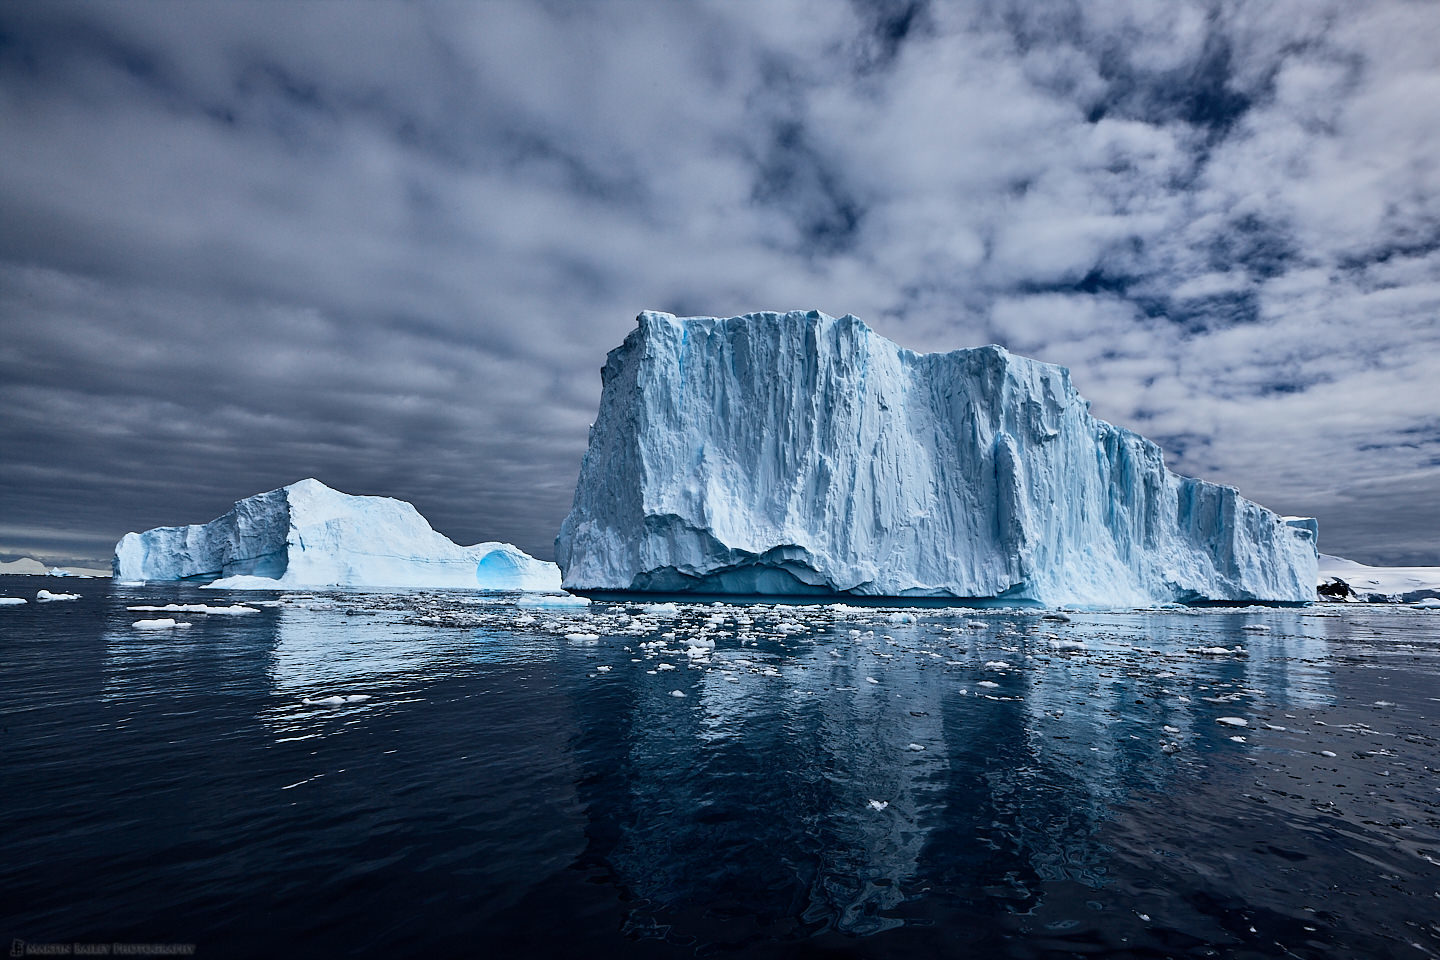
[
  {"x": 308, "y": 535},
  {"x": 796, "y": 453},
  {"x": 1384, "y": 584}
]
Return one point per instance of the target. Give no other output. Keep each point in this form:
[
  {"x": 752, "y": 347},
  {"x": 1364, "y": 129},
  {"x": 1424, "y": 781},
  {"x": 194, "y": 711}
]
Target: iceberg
[
  {"x": 308, "y": 535},
  {"x": 797, "y": 453}
]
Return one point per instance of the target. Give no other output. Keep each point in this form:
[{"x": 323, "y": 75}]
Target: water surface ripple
[{"x": 451, "y": 774}]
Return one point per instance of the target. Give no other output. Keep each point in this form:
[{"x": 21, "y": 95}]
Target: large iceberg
[
  {"x": 800, "y": 454},
  {"x": 308, "y": 535}
]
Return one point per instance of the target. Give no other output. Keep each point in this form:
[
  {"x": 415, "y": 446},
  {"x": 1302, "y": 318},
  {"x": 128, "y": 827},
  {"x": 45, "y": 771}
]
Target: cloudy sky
[{"x": 388, "y": 246}]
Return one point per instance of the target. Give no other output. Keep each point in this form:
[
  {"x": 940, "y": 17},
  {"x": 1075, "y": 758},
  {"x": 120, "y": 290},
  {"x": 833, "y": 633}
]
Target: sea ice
[
  {"x": 161, "y": 623},
  {"x": 337, "y": 700},
  {"x": 233, "y": 610},
  {"x": 12, "y": 601},
  {"x": 45, "y": 596},
  {"x": 551, "y": 601}
]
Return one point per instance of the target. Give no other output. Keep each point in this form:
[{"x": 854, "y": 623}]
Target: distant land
[{"x": 30, "y": 567}]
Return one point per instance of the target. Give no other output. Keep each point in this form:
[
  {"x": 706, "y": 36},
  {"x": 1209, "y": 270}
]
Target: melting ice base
[
  {"x": 307, "y": 534},
  {"x": 437, "y": 773},
  {"x": 797, "y": 453}
]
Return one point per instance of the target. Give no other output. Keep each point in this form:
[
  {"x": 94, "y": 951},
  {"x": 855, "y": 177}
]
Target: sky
[{"x": 389, "y": 245}]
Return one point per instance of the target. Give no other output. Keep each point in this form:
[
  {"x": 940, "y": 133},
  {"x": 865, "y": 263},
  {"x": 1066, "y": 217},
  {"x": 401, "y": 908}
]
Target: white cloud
[{"x": 396, "y": 243}]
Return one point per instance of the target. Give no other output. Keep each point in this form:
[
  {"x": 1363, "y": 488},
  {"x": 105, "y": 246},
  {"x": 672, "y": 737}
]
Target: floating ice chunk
[
  {"x": 1238, "y": 739},
  {"x": 977, "y": 624},
  {"x": 583, "y": 637},
  {"x": 233, "y": 610},
  {"x": 45, "y": 596},
  {"x": 337, "y": 700},
  {"x": 602, "y": 669},
  {"x": 661, "y": 609},
  {"x": 1232, "y": 721},
  {"x": 1255, "y": 628},
  {"x": 12, "y": 601},
  {"x": 1170, "y": 748},
  {"x": 664, "y": 666},
  {"x": 1429, "y": 603},
  {"x": 914, "y": 747},
  {"x": 871, "y": 680},
  {"x": 678, "y": 693},
  {"x": 1216, "y": 651},
  {"x": 1169, "y": 729},
  {"x": 996, "y": 665},
  {"x": 1327, "y": 753},
  {"x": 551, "y": 601},
  {"x": 160, "y": 623},
  {"x": 901, "y": 617},
  {"x": 987, "y": 684},
  {"x": 241, "y": 582},
  {"x": 878, "y": 804}
]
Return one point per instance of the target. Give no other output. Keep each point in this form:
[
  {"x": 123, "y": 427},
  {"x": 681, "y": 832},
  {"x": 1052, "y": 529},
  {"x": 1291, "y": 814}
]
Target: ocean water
[{"x": 444, "y": 774}]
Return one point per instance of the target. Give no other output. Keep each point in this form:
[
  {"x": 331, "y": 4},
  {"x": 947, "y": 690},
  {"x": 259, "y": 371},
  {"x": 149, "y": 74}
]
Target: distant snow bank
[
  {"x": 30, "y": 567},
  {"x": 1393, "y": 584},
  {"x": 307, "y": 535}
]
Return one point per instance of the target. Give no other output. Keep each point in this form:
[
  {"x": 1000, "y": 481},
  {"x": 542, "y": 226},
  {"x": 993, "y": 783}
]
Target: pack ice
[
  {"x": 796, "y": 453},
  {"x": 308, "y": 535}
]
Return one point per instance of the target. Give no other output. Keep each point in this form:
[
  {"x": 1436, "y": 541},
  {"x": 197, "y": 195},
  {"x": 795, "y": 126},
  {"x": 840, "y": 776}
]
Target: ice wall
[{"x": 797, "y": 453}]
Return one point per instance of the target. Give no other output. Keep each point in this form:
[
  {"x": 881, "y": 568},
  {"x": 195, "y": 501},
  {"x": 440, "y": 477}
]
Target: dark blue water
[{"x": 1001, "y": 789}]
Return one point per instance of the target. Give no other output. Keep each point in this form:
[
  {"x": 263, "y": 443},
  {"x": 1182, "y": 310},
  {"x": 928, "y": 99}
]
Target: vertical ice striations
[
  {"x": 307, "y": 534},
  {"x": 797, "y": 453}
]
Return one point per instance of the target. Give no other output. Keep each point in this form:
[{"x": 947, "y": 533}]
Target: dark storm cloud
[{"x": 389, "y": 246}]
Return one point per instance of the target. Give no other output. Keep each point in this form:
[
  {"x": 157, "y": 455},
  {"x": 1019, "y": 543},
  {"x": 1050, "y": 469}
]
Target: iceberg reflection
[{"x": 908, "y": 751}]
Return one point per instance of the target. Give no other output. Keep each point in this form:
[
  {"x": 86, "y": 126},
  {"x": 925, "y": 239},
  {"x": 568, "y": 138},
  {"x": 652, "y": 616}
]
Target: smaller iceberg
[{"x": 307, "y": 535}]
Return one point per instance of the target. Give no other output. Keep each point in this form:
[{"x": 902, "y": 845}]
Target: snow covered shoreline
[{"x": 1377, "y": 584}]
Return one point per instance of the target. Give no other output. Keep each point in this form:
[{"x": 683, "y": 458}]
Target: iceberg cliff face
[
  {"x": 796, "y": 453},
  {"x": 308, "y": 535}
]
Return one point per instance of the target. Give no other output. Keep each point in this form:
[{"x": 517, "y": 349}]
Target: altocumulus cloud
[{"x": 389, "y": 245}]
